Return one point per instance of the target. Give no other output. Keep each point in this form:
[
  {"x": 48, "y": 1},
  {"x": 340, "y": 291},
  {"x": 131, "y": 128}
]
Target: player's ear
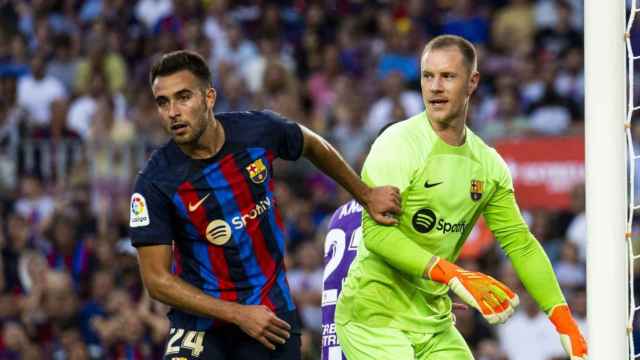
[
  {"x": 474, "y": 80},
  {"x": 211, "y": 96}
]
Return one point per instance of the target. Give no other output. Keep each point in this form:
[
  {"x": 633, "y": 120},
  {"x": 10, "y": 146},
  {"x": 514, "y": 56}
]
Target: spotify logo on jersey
[
  {"x": 424, "y": 220},
  {"x": 218, "y": 232}
]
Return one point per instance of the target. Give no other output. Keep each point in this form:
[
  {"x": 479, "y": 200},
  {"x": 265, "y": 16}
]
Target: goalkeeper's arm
[
  {"x": 533, "y": 268},
  {"x": 493, "y": 299}
]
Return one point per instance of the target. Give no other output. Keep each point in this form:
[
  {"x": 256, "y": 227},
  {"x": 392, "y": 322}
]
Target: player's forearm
[
  {"x": 534, "y": 270},
  {"x": 175, "y": 292},
  {"x": 527, "y": 256},
  {"x": 326, "y": 158},
  {"x": 395, "y": 248}
]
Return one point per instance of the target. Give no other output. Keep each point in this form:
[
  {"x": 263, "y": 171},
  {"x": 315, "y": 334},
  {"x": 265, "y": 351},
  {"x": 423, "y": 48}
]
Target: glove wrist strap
[{"x": 442, "y": 271}]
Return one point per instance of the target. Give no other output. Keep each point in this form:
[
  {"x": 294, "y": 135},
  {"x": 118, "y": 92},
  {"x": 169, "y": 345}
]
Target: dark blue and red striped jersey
[{"x": 220, "y": 214}]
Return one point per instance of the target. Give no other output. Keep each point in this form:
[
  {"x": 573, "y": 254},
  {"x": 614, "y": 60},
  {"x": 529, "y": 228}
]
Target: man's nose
[
  {"x": 436, "y": 84},
  {"x": 174, "y": 111}
]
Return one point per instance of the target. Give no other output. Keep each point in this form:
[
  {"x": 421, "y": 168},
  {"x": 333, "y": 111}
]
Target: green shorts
[{"x": 360, "y": 342}]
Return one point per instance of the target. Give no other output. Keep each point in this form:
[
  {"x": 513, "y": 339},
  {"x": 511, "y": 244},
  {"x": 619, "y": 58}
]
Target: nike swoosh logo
[
  {"x": 427, "y": 185},
  {"x": 194, "y": 207}
]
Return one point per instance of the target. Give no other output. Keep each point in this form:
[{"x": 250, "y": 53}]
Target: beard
[
  {"x": 195, "y": 132},
  {"x": 196, "y": 129}
]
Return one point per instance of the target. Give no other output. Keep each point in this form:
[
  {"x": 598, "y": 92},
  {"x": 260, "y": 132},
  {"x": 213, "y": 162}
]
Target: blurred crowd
[{"x": 77, "y": 121}]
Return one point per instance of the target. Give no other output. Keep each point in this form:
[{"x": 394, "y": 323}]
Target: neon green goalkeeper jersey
[{"x": 444, "y": 189}]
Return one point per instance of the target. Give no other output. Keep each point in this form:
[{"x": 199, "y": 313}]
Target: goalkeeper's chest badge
[{"x": 477, "y": 187}]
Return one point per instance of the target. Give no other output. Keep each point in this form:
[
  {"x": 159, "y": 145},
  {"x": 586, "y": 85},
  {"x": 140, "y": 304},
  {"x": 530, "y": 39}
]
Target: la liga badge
[{"x": 139, "y": 215}]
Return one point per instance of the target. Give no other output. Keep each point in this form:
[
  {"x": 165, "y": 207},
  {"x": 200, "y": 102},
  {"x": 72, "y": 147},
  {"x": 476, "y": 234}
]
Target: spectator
[
  {"x": 509, "y": 120},
  {"x": 84, "y": 108},
  {"x": 101, "y": 60},
  {"x": 71, "y": 345},
  {"x": 347, "y": 122},
  {"x": 578, "y": 303},
  {"x": 34, "y": 204},
  {"x": 468, "y": 21},
  {"x": 570, "y": 271},
  {"x": 270, "y": 52},
  {"x": 103, "y": 282},
  {"x": 541, "y": 228},
  {"x": 570, "y": 78},
  {"x": 557, "y": 39},
  {"x": 69, "y": 253},
  {"x": 513, "y": 24},
  {"x": 18, "y": 241},
  {"x": 13, "y": 119},
  {"x": 395, "y": 91},
  {"x": 399, "y": 56},
  {"x": 17, "y": 344},
  {"x": 234, "y": 48},
  {"x": 546, "y": 12},
  {"x": 55, "y": 144},
  {"x": 306, "y": 283},
  {"x": 529, "y": 335},
  {"x": 552, "y": 114},
  {"x": 320, "y": 84},
  {"x": 149, "y": 12},
  {"x": 63, "y": 65},
  {"x": 233, "y": 95},
  {"x": 47, "y": 88},
  {"x": 577, "y": 231}
]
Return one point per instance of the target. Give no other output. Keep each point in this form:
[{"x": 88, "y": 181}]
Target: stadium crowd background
[{"x": 77, "y": 120}]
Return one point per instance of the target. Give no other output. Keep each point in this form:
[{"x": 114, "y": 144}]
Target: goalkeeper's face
[
  {"x": 447, "y": 83},
  {"x": 184, "y": 105}
]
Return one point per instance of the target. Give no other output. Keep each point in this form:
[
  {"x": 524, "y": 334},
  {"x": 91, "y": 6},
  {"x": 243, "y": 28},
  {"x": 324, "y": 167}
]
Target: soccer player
[
  {"x": 340, "y": 248},
  {"x": 394, "y": 303},
  {"x": 206, "y": 200}
]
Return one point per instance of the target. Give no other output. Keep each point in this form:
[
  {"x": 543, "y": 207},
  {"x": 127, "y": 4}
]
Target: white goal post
[{"x": 606, "y": 179}]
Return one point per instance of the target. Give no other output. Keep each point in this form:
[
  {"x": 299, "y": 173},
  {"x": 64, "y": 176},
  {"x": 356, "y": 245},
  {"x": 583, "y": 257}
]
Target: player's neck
[
  {"x": 453, "y": 133},
  {"x": 209, "y": 143}
]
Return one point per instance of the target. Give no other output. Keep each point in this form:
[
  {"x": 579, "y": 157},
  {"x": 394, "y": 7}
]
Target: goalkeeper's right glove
[{"x": 495, "y": 301}]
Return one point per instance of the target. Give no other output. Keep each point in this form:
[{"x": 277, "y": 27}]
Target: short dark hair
[
  {"x": 466, "y": 48},
  {"x": 175, "y": 61}
]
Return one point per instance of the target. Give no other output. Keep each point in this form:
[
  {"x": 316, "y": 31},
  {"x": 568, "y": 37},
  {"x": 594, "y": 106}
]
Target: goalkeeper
[{"x": 394, "y": 304}]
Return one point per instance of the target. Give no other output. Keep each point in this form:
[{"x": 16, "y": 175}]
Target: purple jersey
[{"x": 340, "y": 248}]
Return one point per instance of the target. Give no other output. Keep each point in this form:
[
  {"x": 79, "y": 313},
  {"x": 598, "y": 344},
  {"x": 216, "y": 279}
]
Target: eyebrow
[
  {"x": 444, "y": 72},
  {"x": 177, "y": 93}
]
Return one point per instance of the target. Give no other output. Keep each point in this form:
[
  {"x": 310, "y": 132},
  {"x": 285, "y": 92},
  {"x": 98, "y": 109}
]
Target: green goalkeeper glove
[{"x": 495, "y": 301}]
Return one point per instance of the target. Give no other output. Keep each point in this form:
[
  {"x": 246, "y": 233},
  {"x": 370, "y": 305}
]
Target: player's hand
[
  {"x": 459, "y": 306},
  {"x": 495, "y": 301},
  {"x": 382, "y": 203},
  {"x": 259, "y": 322},
  {"x": 570, "y": 336}
]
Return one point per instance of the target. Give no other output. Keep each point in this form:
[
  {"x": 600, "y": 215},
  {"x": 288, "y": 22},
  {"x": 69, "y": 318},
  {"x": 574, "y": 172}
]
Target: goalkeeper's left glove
[
  {"x": 570, "y": 335},
  {"x": 495, "y": 301}
]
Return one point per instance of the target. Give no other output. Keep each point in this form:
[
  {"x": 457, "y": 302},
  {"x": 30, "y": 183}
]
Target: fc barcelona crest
[
  {"x": 257, "y": 171},
  {"x": 477, "y": 187}
]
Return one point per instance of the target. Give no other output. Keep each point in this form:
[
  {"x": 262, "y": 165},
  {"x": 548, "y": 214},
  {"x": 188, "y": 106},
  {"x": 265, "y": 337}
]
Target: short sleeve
[
  {"x": 150, "y": 215},
  {"x": 285, "y": 136}
]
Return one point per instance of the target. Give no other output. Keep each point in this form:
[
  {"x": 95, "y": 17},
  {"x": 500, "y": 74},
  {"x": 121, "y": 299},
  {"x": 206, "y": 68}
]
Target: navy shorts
[{"x": 231, "y": 343}]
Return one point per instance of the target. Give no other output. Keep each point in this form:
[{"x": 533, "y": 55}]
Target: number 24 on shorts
[{"x": 192, "y": 340}]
